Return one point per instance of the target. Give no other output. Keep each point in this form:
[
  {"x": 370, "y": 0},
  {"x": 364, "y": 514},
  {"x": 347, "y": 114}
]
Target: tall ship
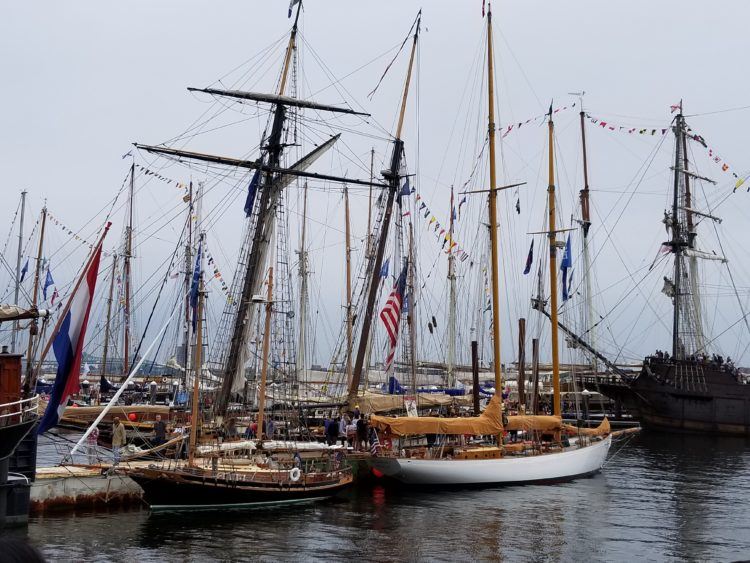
[{"x": 687, "y": 388}]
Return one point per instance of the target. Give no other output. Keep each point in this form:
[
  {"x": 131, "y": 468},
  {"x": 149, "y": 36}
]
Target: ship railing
[{"x": 19, "y": 411}]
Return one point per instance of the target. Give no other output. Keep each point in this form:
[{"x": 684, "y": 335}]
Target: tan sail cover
[
  {"x": 542, "y": 423},
  {"x": 378, "y": 402},
  {"x": 489, "y": 422},
  {"x": 602, "y": 430}
]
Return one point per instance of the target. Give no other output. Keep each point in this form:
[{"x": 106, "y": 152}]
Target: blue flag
[
  {"x": 291, "y": 5},
  {"x": 529, "y": 259},
  {"x": 405, "y": 190},
  {"x": 384, "y": 268},
  {"x": 252, "y": 189},
  {"x": 48, "y": 281},
  {"x": 24, "y": 270},
  {"x": 195, "y": 284},
  {"x": 565, "y": 265}
]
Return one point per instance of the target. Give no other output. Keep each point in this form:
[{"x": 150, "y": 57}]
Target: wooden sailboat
[
  {"x": 556, "y": 458},
  {"x": 248, "y": 473}
]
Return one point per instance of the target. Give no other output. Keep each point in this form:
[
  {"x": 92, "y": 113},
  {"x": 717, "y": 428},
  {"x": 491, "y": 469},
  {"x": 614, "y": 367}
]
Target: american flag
[
  {"x": 391, "y": 315},
  {"x": 374, "y": 442}
]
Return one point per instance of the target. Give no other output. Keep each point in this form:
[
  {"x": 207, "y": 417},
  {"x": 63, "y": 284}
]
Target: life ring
[{"x": 295, "y": 474}]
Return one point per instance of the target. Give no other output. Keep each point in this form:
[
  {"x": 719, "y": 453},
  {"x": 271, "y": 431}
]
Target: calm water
[{"x": 660, "y": 498}]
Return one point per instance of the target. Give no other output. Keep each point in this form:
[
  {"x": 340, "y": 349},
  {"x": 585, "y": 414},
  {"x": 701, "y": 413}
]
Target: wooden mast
[
  {"x": 33, "y": 326},
  {"x": 302, "y": 337},
  {"x": 105, "y": 352},
  {"x": 492, "y": 201},
  {"x": 557, "y": 411},
  {"x": 348, "y": 287},
  {"x": 450, "y": 368},
  {"x": 195, "y": 412},
  {"x": 126, "y": 275},
  {"x": 264, "y": 359},
  {"x": 16, "y": 295},
  {"x": 393, "y": 186},
  {"x": 188, "y": 280},
  {"x": 369, "y": 204}
]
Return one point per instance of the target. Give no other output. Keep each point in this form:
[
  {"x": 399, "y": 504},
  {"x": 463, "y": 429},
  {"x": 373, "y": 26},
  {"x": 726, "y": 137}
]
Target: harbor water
[{"x": 660, "y": 497}]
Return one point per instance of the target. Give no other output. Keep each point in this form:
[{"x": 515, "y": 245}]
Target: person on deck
[
  {"x": 361, "y": 435},
  {"x": 118, "y": 439},
  {"x": 160, "y": 431},
  {"x": 342, "y": 428},
  {"x": 91, "y": 443},
  {"x": 332, "y": 431}
]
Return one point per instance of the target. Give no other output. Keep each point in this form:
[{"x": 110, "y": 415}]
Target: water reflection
[{"x": 663, "y": 497}]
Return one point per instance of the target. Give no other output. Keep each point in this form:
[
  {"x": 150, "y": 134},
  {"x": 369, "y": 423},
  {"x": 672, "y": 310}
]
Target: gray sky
[{"x": 82, "y": 80}]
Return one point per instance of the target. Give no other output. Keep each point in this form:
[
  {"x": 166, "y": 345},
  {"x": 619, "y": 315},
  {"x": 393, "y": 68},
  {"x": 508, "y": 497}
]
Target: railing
[{"x": 19, "y": 411}]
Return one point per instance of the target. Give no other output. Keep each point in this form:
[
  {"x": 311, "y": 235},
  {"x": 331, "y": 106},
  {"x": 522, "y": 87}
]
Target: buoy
[
  {"x": 294, "y": 474},
  {"x": 132, "y": 417}
]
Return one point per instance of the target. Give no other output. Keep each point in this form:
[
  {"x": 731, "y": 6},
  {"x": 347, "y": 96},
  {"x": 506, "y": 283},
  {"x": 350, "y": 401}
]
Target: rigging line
[
  {"x": 401, "y": 48},
  {"x": 717, "y": 111}
]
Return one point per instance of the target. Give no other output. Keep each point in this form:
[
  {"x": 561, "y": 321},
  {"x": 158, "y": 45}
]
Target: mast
[
  {"x": 450, "y": 375},
  {"x": 557, "y": 411},
  {"x": 492, "y": 203},
  {"x": 33, "y": 326},
  {"x": 269, "y": 193},
  {"x": 586, "y": 224},
  {"x": 677, "y": 241},
  {"x": 301, "y": 349},
  {"x": 348, "y": 287},
  {"x": 109, "y": 315},
  {"x": 126, "y": 273},
  {"x": 16, "y": 296},
  {"x": 195, "y": 412},
  {"x": 266, "y": 347},
  {"x": 186, "y": 284},
  {"x": 393, "y": 186},
  {"x": 412, "y": 314}
]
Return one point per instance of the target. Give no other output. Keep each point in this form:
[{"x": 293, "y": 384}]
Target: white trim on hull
[{"x": 562, "y": 466}]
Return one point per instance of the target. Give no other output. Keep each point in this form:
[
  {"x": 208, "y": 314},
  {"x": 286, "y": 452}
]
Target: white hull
[{"x": 562, "y": 466}]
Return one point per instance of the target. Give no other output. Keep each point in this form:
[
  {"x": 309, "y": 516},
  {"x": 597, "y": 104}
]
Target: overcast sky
[{"x": 83, "y": 80}]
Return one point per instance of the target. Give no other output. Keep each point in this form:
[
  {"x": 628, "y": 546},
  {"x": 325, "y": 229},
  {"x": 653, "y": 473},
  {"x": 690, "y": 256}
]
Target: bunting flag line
[
  {"x": 443, "y": 235},
  {"x": 517, "y": 126},
  {"x": 652, "y": 131},
  {"x": 68, "y": 231},
  {"x": 170, "y": 181},
  {"x": 216, "y": 274}
]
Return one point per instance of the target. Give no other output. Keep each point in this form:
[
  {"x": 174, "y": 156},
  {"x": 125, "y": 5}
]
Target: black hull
[
  {"x": 686, "y": 397},
  {"x": 163, "y": 492}
]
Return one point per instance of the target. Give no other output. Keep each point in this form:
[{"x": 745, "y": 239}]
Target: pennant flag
[
  {"x": 675, "y": 107},
  {"x": 460, "y": 203},
  {"x": 194, "y": 286},
  {"x": 405, "y": 190},
  {"x": 565, "y": 265},
  {"x": 291, "y": 5},
  {"x": 740, "y": 181},
  {"x": 407, "y": 214},
  {"x": 68, "y": 345},
  {"x": 391, "y": 315},
  {"x": 55, "y": 295},
  {"x": 529, "y": 259},
  {"x": 518, "y": 205},
  {"x": 252, "y": 189},
  {"x": 48, "y": 281},
  {"x": 24, "y": 270},
  {"x": 384, "y": 268}
]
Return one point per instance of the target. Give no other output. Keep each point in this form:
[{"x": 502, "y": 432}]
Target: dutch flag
[{"x": 68, "y": 344}]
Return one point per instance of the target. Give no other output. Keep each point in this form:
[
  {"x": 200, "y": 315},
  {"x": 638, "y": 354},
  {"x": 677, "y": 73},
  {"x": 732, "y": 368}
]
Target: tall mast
[
  {"x": 197, "y": 364},
  {"x": 187, "y": 325},
  {"x": 105, "y": 352},
  {"x": 393, "y": 186},
  {"x": 302, "y": 345},
  {"x": 450, "y": 376},
  {"x": 126, "y": 273},
  {"x": 33, "y": 327},
  {"x": 269, "y": 194},
  {"x": 348, "y": 287},
  {"x": 553, "y": 271},
  {"x": 16, "y": 295},
  {"x": 412, "y": 314},
  {"x": 264, "y": 359},
  {"x": 586, "y": 223},
  {"x": 492, "y": 201}
]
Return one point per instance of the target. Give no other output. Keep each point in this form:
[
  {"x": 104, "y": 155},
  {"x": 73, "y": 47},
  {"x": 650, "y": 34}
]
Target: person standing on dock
[
  {"x": 118, "y": 439},
  {"x": 91, "y": 443},
  {"x": 160, "y": 431}
]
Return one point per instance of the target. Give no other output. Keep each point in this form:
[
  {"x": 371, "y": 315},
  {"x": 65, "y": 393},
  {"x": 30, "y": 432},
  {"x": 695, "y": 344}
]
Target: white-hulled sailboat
[{"x": 550, "y": 456}]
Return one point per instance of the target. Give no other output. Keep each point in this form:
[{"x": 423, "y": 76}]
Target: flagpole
[
  {"x": 553, "y": 271},
  {"x": 124, "y": 384},
  {"x": 65, "y": 309},
  {"x": 14, "y": 335}
]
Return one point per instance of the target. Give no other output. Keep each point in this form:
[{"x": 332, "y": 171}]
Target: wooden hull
[
  {"x": 548, "y": 468},
  {"x": 180, "y": 490},
  {"x": 686, "y": 397}
]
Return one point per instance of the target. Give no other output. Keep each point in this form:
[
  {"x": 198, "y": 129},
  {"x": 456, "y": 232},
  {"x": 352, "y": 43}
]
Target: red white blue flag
[
  {"x": 391, "y": 315},
  {"x": 68, "y": 345}
]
